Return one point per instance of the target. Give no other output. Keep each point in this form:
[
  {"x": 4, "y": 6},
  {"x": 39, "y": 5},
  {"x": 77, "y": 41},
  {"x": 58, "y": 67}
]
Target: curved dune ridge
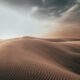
[{"x": 29, "y": 58}]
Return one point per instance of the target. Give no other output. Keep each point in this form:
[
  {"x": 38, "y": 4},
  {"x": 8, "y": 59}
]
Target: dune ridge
[{"x": 30, "y": 58}]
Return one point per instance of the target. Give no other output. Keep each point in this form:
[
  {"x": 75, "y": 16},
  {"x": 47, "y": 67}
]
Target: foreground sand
[{"x": 39, "y": 59}]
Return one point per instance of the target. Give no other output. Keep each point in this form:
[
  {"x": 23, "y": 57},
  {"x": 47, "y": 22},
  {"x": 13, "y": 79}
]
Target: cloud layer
[
  {"x": 47, "y": 8},
  {"x": 65, "y": 13}
]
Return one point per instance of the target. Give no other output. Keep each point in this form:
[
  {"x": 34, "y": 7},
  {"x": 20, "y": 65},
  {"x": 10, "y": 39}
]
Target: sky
[{"x": 39, "y": 18}]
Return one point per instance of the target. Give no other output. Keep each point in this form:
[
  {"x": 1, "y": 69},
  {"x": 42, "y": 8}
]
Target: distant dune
[{"x": 30, "y": 58}]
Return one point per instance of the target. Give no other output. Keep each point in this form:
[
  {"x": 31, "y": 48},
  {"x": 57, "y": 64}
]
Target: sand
[{"x": 30, "y": 58}]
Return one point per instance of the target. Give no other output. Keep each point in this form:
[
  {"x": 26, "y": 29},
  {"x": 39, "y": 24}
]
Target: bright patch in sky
[{"x": 13, "y": 24}]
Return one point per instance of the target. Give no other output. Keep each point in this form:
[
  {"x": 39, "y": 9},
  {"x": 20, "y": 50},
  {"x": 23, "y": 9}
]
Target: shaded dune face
[{"x": 36, "y": 59}]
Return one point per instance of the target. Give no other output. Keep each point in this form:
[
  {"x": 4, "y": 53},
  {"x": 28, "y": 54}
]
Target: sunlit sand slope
[{"x": 37, "y": 59}]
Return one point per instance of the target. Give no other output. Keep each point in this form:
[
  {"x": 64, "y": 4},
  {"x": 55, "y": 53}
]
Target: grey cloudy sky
[{"x": 30, "y": 17}]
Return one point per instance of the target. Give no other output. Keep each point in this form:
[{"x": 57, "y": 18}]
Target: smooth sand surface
[{"x": 29, "y": 58}]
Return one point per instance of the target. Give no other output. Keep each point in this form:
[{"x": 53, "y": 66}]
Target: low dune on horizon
[{"x": 29, "y": 58}]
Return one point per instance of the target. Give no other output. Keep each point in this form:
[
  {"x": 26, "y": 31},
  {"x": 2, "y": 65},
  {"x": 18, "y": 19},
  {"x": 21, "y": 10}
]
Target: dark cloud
[
  {"x": 54, "y": 8},
  {"x": 68, "y": 24},
  {"x": 72, "y": 15},
  {"x": 47, "y": 8},
  {"x": 24, "y": 2}
]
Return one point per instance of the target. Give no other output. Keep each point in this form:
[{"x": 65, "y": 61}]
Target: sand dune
[{"x": 39, "y": 59}]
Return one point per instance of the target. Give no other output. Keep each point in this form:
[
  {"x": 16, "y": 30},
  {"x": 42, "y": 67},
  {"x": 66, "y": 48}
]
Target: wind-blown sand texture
[{"x": 39, "y": 59}]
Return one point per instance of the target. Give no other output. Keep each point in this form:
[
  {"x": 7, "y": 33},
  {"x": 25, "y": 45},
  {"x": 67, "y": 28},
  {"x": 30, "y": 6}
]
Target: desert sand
[{"x": 28, "y": 58}]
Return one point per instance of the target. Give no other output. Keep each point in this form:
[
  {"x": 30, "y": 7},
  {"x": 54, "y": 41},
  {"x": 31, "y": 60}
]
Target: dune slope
[{"x": 37, "y": 59}]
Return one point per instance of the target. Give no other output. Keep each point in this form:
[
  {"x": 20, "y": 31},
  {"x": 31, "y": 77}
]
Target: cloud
[
  {"x": 71, "y": 15},
  {"x": 65, "y": 13},
  {"x": 78, "y": 1},
  {"x": 46, "y": 7},
  {"x": 68, "y": 23}
]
